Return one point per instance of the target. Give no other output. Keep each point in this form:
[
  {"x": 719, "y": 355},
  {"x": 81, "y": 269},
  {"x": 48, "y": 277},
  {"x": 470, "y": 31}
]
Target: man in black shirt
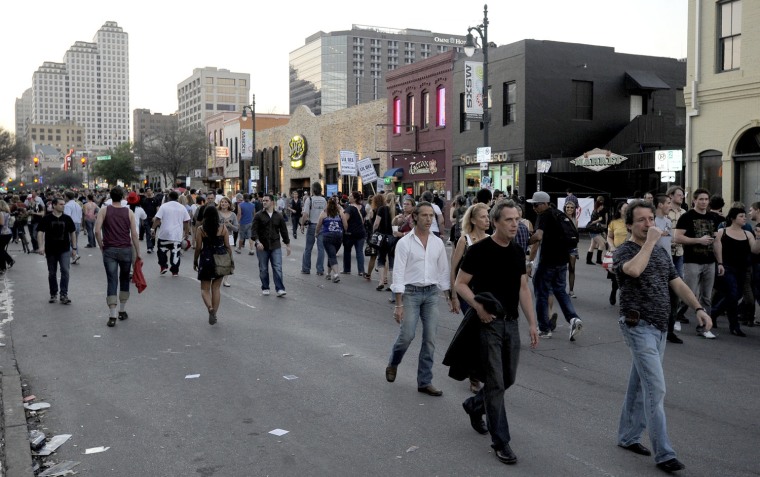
[
  {"x": 150, "y": 205},
  {"x": 644, "y": 273},
  {"x": 497, "y": 265},
  {"x": 551, "y": 274},
  {"x": 56, "y": 236}
]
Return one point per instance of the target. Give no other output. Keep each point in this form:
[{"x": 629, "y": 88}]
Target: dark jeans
[
  {"x": 33, "y": 235},
  {"x": 730, "y": 287},
  {"x": 5, "y": 259},
  {"x": 332, "y": 243},
  {"x": 294, "y": 220},
  {"x": 358, "y": 245},
  {"x": 756, "y": 282},
  {"x": 90, "y": 226},
  {"x": 551, "y": 280},
  {"x": 149, "y": 239},
  {"x": 167, "y": 249},
  {"x": 500, "y": 351},
  {"x": 53, "y": 261}
]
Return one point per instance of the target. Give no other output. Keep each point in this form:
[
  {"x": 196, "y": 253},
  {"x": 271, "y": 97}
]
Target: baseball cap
[{"x": 539, "y": 198}]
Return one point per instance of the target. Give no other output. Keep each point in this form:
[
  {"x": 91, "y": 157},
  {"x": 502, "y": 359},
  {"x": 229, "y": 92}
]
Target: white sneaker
[
  {"x": 709, "y": 335},
  {"x": 545, "y": 334},
  {"x": 677, "y": 326},
  {"x": 281, "y": 293},
  {"x": 576, "y": 325},
  {"x": 572, "y": 294},
  {"x": 265, "y": 292}
]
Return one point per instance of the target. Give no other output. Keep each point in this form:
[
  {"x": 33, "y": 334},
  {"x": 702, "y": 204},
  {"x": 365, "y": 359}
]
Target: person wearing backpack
[{"x": 552, "y": 241}]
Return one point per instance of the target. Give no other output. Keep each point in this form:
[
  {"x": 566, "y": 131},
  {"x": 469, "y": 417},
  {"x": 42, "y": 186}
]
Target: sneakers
[
  {"x": 150, "y": 250},
  {"x": 123, "y": 315},
  {"x": 553, "y": 321},
  {"x": 53, "y": 298},
  {"x": 65, "y": 300},
  {"x": 75, "y": 260},
  {"x": 281, "y": 293},
  {"x": 265, "y": 292},
  {"x": 572, "y": 294},
  {"x": 677, "y": 326},
  {"x": 164, "y": 270},
  {"x": 545, "y": 334},
  {"x": 111, "y": 322},
  {"x": 705, "y": 334},
  {"x": 576, "y": 325},
  {"x": 237, "y": 250}
]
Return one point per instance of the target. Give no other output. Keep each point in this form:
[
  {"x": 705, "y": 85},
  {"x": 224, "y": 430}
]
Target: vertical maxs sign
[
  {"x": 473, "y": 90},
  {"x": 246, "y": 141}
]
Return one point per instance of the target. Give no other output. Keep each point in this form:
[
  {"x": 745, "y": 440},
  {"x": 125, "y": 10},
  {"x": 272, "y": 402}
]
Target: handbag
[
  {"x": 607, "y": 261},
  {"x": 376, "y": 240},
  {"x": 223, "y": 264},
  {"x": 370, "y": 251}
]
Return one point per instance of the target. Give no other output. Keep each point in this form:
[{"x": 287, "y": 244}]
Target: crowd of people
[{"x": 696, "y": 259}]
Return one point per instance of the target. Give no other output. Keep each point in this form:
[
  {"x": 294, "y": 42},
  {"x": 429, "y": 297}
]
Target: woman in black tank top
[{"x": 732, "y": 246}]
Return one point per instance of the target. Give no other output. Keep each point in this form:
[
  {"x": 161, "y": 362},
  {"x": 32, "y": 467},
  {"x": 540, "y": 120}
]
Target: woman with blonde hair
[{"x": 229, "y": 220}]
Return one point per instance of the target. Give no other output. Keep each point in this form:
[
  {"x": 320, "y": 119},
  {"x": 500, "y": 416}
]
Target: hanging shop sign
[
  {"x": 427, "y": 166},
  {"x": 297, "y": 151},
  {"x": 598, "y": 160}
]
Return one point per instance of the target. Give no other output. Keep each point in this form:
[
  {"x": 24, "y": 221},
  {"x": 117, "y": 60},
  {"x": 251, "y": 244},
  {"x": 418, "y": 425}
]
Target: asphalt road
[{"x": 126, "y": 388}]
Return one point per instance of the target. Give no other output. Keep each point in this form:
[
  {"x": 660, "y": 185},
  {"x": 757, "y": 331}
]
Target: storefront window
[{"x": 711, "y": 172}]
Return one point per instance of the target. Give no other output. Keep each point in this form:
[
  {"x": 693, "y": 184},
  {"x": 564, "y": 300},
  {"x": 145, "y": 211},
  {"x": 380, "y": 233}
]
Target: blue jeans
[
  {"x": 53, "y": 261},
  {"x": 644, "y": 405},
  {"x": 420, "y": 303},
  {"x": 275, "y": 257},
  {"x": 294, "y": 221},
  {"x": 678, "y": 263},
  {"x": 358, "y": 245},
  {"x": 332, "y": 243},
  {"x": 90, "y": 226},
  {"x": 551, "y": 280},
  {"x": 500, "y": 352},
  {"x": 728, "y": 291},
  {"x": 310, "y": 239},
  {"x": 117, "y": 262}
]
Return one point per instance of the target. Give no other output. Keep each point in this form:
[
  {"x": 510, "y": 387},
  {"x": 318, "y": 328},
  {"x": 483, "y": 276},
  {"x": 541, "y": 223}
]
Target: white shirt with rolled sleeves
[
  {"x": 418, "y": 265},
  {"x": 173, "y": 215}
]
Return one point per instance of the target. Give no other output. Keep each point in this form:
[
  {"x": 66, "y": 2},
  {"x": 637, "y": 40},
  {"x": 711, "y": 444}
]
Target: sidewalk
[{"x": 16, "y": 457}]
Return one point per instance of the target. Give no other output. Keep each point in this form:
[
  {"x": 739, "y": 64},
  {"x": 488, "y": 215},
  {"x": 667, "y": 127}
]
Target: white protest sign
[
  {"x": 367, "y": 170},
  {"x": 347, "y": 163}
]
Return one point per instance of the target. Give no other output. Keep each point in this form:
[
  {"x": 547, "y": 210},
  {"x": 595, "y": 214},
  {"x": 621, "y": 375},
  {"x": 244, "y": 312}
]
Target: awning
[
  {"x": 646, "y": 80},
  {"x": 397, "y": 172}
]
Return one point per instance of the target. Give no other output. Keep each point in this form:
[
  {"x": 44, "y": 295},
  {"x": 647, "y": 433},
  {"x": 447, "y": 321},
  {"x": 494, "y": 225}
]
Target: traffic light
[
  {"x": 36, "y": 180},
  {"x": 36, "y": 162},
  {"x": 84, "y": 161}
]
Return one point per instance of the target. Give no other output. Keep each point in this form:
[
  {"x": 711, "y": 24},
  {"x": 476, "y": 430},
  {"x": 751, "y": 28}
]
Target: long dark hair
[{"x": 210, "y": 221}]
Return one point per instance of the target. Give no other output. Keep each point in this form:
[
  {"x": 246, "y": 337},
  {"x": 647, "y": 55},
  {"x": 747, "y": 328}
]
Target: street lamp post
[
  {"x": 469, "y": 50},
  {"x": 245, "y": 171}
]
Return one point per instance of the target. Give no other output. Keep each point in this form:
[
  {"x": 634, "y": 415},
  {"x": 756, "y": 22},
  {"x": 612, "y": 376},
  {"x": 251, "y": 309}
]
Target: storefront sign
[
  {"x": 221, "y": 151},
  {"x": 423, "y": 167},
  {"x": 473, "y": 158},
  {"x": 367, "y": 170},
  {"x": 473, "y": 90},
  {"x": 348, "y": 163},
  {"x": 297, "y": 151},
  {"x": 598, "y": 160}
]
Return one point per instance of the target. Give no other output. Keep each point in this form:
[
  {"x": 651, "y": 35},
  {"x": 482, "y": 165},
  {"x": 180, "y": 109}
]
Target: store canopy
[
  {"x": 397, "y": 172},
  {"x": 646, "y": 80}
]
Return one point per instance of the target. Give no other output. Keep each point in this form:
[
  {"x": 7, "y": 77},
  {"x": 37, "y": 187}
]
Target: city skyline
[{"x": 162, "y": 55}]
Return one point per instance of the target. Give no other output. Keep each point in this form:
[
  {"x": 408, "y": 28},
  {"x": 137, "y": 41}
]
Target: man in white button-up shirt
[{"x": 421, "y": 269}]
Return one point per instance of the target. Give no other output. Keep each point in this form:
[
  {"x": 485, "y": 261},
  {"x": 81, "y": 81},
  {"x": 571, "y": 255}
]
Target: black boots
[
  {"x": 599, "y": 256},
  {"x": 589, "y": 256}
]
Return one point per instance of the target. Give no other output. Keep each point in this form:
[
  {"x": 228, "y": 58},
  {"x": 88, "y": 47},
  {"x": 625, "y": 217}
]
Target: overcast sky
[{"x": 167, "y": 39}]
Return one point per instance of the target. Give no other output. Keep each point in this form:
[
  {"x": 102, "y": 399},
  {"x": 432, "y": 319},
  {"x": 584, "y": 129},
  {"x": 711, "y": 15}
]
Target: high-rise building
[
  {"x": 209, "y": 91},
  {"x": 147, "y": 124},
  {"x": 335, "y": 70},
  {"x": 23, "y": 112},
  {"x": 90, "y": 87}
]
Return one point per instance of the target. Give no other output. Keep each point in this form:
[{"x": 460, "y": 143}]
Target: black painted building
[{"x": 554, "y": 101}]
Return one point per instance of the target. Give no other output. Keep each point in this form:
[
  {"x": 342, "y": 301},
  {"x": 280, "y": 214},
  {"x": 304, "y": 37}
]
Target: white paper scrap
[
  {"x": 347, "y": 354},
  {"x": 96, "y": 336},
  {"x": 290, "y": 377},
  {"x": 192, "y": 376},
  {"x": 37, "y": 406},
  {"x": 278, "y": 432},
  {"x": 96, "y": 450}
]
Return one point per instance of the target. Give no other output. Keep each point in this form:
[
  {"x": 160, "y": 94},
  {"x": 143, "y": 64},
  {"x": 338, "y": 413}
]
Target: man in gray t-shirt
[
  {"x": 645, "y": 271},
  {"x": 312, "y": 207}
]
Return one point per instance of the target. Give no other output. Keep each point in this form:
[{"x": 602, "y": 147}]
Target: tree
[
  {"x": 66, "y": 179},
  {"x": 121, "y": 166},
  {"x": 173, "y": 153},
  {"x": 10, "y": 150}
]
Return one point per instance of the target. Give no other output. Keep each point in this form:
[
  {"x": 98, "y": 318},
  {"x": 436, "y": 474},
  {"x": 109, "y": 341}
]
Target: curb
[{"x": 17, "y": 456}]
